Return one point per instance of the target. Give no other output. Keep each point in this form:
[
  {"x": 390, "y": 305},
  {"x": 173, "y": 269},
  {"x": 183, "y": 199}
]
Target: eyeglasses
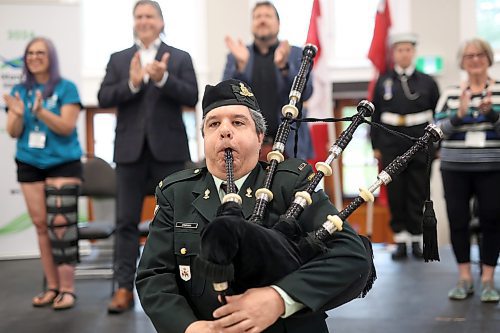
[
  {"x": 471, "y": 56},
  {"x": 37, "y": 54}
]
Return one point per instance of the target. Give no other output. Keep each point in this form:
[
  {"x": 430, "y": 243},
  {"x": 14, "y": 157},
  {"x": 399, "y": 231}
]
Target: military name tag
[
  {"x": 186, "y": 225},
  {"x": 185, "y": 272}
]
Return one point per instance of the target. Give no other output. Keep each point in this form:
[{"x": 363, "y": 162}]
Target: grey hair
[
  {"x": 257, "y": 117},
  {"x": 480, "y": 44},
  {"x": 153, "y": 4}
]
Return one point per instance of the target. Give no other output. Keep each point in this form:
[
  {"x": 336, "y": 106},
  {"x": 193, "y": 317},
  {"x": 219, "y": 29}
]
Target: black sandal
[
  {"x": 42, "y": 296},
  {"x": 60, "y": 297}
]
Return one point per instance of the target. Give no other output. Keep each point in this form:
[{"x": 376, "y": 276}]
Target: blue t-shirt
[{"x": 58, "y": 148}]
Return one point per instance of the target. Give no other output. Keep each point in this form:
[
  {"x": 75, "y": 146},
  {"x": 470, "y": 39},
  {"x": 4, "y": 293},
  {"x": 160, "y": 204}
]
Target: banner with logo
[{"x": 19, "y": 23}]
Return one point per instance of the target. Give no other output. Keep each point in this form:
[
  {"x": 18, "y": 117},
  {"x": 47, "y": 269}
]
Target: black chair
[{"x": 99, "y": 182}]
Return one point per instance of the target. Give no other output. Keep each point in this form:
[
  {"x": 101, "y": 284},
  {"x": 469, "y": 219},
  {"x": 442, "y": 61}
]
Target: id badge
[
  {"x": 37, "y": 139},
  {"x": 475, "y": 139}
]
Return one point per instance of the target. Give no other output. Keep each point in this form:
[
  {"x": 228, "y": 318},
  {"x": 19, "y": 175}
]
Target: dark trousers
[
  {"x": 406, "y": 194},
  {"x": 134, "y": 181},
  {"x": 459, "y": 187}
]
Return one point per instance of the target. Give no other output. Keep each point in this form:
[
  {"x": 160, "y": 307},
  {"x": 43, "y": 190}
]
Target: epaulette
[
  {"x": 294, "y": 165},
  {"x": 181, "y": 176},
  {"x": 297, "y": 166}
]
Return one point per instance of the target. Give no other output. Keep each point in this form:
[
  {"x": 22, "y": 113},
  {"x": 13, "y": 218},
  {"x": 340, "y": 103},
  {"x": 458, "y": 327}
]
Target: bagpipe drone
[{"x": 230, "y": 252}]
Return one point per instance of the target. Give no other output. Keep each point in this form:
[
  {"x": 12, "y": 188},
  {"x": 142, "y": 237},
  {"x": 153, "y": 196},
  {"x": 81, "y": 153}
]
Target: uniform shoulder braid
[{"x": 181, "y": 176}]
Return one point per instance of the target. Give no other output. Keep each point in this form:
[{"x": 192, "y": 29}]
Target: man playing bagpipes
[{"x": 173, "y": 293}]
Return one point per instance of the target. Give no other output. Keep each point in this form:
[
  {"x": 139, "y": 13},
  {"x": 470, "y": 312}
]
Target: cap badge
[{"x": 244, "y": 91}]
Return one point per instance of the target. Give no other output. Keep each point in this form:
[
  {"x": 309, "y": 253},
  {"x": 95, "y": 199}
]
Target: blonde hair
[{"x": 481, "y": 44}]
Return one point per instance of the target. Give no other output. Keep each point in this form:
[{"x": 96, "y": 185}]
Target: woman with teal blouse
[{"x": 42, "y": 112}]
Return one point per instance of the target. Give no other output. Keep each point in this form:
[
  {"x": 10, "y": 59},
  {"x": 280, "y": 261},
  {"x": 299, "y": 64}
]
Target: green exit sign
[{"x": 431, "y": 65}]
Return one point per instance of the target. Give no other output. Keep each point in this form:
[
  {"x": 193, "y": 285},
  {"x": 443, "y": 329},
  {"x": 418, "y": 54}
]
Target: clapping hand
[
  {"x": 157, "y": 69},
  {"x": 14, "y": 104},
  {"x": 281, "y": 54},
  {"x": 136, "y": 72},
  {"x": 485, "y": 106},
  {"x": 37, "y": 106},
  {"x": 465, "y": 99},
  {"x": 239, "y": 51}
]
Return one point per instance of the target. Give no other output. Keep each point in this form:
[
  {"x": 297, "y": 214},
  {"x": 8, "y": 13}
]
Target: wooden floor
[{"x": 407, "y": 297}]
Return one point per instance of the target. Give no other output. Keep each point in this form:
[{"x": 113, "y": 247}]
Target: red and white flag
[
  {"x": 379, "y": 51},
  {"x": 379, "y": 56},
  {"x": 320, "y": 105},
  {"x": 313, "y": 32}
]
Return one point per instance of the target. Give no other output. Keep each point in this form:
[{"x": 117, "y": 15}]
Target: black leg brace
[{"x": 63, "y": 237}]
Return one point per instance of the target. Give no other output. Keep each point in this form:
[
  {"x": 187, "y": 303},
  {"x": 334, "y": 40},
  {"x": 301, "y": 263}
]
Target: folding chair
[{"x": 99, "y": 182}]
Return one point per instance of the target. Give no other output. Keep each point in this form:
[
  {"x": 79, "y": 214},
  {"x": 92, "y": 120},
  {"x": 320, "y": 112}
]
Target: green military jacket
[{"x": 173, "y": 295}]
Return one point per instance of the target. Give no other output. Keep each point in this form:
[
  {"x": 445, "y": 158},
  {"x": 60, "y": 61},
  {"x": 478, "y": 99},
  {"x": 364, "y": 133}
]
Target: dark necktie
[
  {"x": 406, "y": 89},
  {"x": 223, "y": 186}
]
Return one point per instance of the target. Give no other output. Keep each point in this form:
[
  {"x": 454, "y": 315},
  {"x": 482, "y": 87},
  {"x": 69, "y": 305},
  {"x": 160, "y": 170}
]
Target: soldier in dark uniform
[
  {"x": 404, "y": 100},
  {"x": 177, "y": 298}
]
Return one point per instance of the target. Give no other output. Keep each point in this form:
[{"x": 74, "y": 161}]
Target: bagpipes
[{"x": 255, "y": 253}]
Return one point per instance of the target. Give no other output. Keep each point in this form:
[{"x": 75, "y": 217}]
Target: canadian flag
[
  {"x": 317, "y": 105},
  {"x": 379, "y": 56},
  {"x": 320, "y": 105},
  {"x": 313, "y": 32},
  {"x": 378, "y": 53}
]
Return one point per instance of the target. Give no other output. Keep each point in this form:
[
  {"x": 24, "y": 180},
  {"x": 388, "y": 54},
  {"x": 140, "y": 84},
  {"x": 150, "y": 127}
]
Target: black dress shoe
[
  {"x": 400, "y": 252},
  {"x": 416, "y": 250}
]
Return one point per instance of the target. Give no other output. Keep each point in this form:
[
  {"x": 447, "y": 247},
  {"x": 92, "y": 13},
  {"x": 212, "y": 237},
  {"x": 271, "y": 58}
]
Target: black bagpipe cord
[{"x": 429, "y": 223}]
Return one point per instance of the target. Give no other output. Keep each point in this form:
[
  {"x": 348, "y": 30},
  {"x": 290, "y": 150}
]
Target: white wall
[{"x": 440, "y": 24}]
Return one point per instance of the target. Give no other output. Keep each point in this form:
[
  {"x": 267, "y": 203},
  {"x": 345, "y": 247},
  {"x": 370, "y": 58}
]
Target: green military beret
[{"x": 228, "y": 92}]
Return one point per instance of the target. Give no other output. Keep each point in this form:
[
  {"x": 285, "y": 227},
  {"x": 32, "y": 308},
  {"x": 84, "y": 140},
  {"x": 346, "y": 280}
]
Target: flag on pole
[
  {"x": 378, "y": 53},
  {"x": 379, "y": 56},
  {"x": 313, "y": 32},
  {"x": 320, "y": 105}
]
